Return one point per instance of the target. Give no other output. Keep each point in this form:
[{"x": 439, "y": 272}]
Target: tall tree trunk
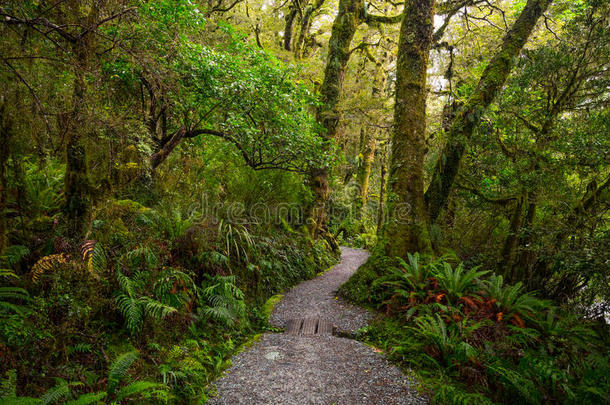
[
  {"x": 5, "y": 137},
  {"x": 407, "y": 227},
  {"x": 467, "y": 118},
  {"x": 76, "y": 182},
  {"x": 344, "y": 28},
  {"x": 524, "y": 259},
  {"x": 292, "y": 13},
  {"x": 305, "y": 27},
  {"x": 363, "y": 174},
  {"x": 382, "y": 192},
  {"x": 510, "y": 243}
]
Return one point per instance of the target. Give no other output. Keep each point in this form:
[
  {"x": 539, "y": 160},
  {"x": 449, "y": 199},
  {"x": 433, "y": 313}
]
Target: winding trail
[{"x": 316, "y": 369}]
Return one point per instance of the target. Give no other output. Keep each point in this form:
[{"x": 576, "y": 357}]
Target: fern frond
[
  {"x": 13, "y": 255},
  {"x": 60, "y": 391},
  {"x": 139, "y": 387},
  {"x": 88, "y": 399},
  {"x": 46, "y": 264},
  {"x": 155, "y": 308},
  {"x": 131, "y": 309},
  {"x": 118, "y": 369},
  {"x": 94, "y": 256}
]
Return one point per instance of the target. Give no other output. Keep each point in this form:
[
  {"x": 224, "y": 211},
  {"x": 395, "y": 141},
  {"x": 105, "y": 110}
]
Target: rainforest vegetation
[{"x": 168, "y": 166}]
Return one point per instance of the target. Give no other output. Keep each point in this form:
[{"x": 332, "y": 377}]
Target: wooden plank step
[
  {"x": 293, "y": 326},
  {"x": 309, "y": 326},
  {"x": 324, "y": 327}
]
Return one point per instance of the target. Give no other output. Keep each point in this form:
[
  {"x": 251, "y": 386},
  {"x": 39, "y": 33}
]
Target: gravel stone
[{"x": 317, "y": 369}]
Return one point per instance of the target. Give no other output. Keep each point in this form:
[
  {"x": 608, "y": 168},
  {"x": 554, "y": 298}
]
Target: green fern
[
  {"x": 145, "y": 388},
  {"x": 94, "y": 256},
  {"x": 511, "y": 299},
  {"x": 134, "y": 307},
  {"x": 118, "y": 369},
  {"x": 155, "y": 308},
  {"x": 223, "y": 301},
  {"x": 456, "y": 282},
  {"x": 88, "y": 399},
  {"x": 142, "y": 257},
  {"x": 13, "y": 255},
  {"x": 61, "y": 391},
  {"x": 8, "y": 294},
  {"x": 446, "y": 394},
  {"x": 130, "y": 307}
]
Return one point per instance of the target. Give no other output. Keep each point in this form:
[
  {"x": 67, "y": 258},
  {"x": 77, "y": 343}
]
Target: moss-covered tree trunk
[
  {"x": 382, "y": 192},
  {"x": 343, "y": 30},
  {"x": 76, "y": 183},
  {"x": 467, "y": 118},
  {"x": 510, "y": 243},
  {"x": 406, "y": 229},
  {"x": 363, "y": 173},
  {"x": 288, "y": 28},
  {"x": 305, "y": 27},
  {"x": 5, "y": 137}
]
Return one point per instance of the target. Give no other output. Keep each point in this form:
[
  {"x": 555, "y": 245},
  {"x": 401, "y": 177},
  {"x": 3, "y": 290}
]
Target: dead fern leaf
[
  {"x": 47, "y": 263},
  {"x": 93, "y": 255}
]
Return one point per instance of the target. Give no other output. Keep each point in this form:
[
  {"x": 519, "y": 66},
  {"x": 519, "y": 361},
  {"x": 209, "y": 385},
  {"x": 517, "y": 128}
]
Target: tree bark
[
  {"x": 344, "y": 27},
  {"x": 6, "y": 134},
  {"x": 363, "y": 173},
  {"x": 292, "y": 13},
  {"x": 510, "y": 243},
  {"x": 76, "y": 183},
  {"x": 305, "y": 27},
  {"x": 467, "y": 118},
  {"x": 167, "y": 147},
  {"x": 407, "y": 227},
  {"x": 382, "y": 191}
]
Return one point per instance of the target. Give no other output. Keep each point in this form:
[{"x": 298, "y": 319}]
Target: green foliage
[
  {"x": 456, "y": 282},
  {"x": 236, "y": 241},
  {"x": 134, "y": 306},
  {"x": 511, "y": 299},
  {"x": 222, "y": 301},
  {"x": 475, "y": 339},
  {"x": 188, "y": 368},
  {"x": 446, "y": 394},
  {"x": 9, "y": 295}
]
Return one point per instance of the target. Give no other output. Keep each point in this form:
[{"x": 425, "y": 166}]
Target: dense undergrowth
[
  {"x": 148, "y": 308},
  {"x": 474, "y": 339}
]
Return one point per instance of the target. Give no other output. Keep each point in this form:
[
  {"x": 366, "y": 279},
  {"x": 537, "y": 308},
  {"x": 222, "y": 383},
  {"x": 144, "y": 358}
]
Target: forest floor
[{"x": 284, "y": 368}]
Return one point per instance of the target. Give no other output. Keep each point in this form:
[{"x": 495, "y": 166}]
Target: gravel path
[
  {"x": 317, "y": 297},
  {"x": 289, "y": 369}
]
